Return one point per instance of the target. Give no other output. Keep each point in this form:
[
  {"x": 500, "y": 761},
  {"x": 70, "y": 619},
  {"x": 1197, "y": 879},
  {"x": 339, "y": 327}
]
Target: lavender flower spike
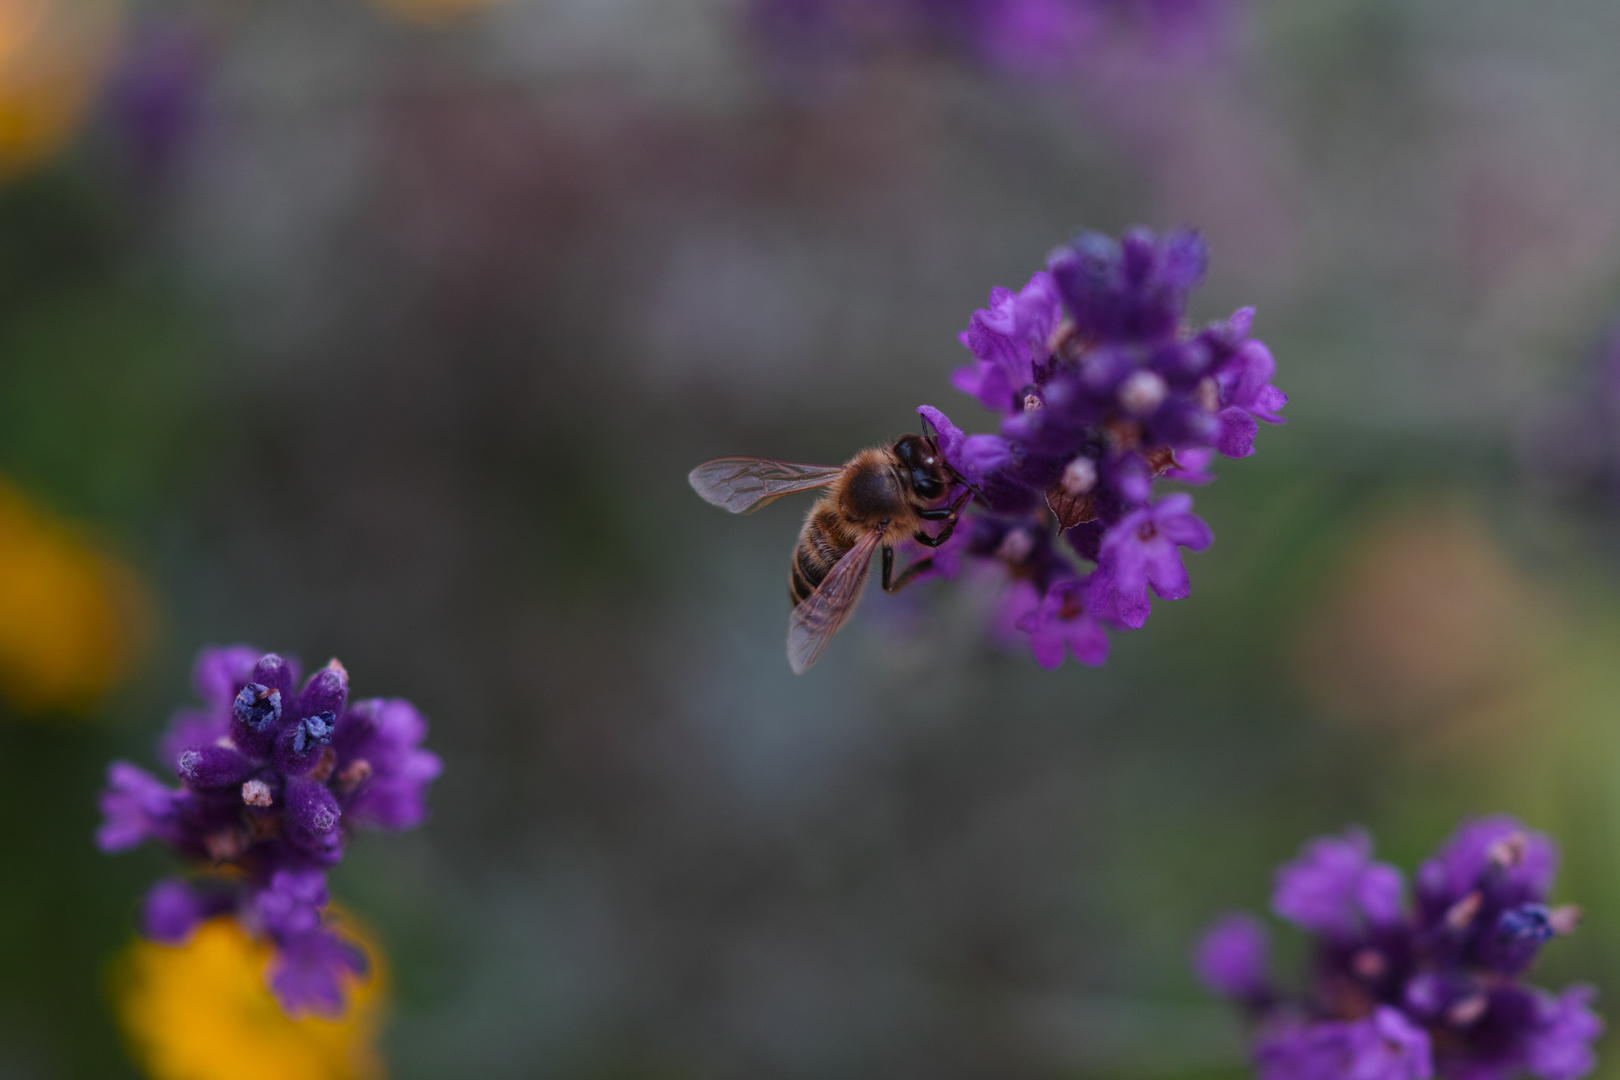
[
  {"x": 273, "y": 778},
  {"x": 1102, "y": 390},
  {"x": 1398, "y": 992}
]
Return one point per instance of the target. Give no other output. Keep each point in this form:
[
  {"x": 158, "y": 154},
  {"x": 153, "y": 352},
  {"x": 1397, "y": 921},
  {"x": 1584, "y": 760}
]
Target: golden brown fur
[{"x": 872, "y": 492}]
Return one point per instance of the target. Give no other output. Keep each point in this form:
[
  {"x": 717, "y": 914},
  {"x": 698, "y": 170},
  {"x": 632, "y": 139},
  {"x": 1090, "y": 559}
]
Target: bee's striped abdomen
[{"x": 821, "y": 544}]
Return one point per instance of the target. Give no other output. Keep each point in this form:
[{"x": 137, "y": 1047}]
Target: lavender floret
[
  {"x": 1102, "y": 390},
  {"x": 1400, "y": 991},
  {"x": 272, "y": 780}
]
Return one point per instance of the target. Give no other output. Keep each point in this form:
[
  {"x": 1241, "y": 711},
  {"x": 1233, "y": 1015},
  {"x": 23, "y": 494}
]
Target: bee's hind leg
[{"x": 894, "y": 584}]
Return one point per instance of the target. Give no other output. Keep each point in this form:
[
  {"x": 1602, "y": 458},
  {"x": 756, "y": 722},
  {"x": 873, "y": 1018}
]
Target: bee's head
[{"x": 925, "y": 466}]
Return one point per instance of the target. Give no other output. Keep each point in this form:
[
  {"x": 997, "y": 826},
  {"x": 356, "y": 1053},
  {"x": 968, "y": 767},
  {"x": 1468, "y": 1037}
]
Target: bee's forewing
[
  {"x": 744, "y": 484},
  {"x": 817, "y": 618}
]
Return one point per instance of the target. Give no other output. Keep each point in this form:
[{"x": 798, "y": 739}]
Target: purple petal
[
  {"x": 1231, "y": 956},
  {"x": 192, "y": 728},
  {"x": 171, "y": 911},
  {"x": 308, "y": 973},
  {"x": 986, "y": 382},
  {"x": 1178, "y": 525},
  {"x": 1166, "y": 573},
  {"x": 1087, "y": 640},
  {"x": 1381, "y": 894},
  {"x": 220, "y": 672},
  {"x": 134, "y": 806},
  {"x": 1528, "y": 862},
  {"x": 947, "y": 435},
  {"x": 1324, "y": 890},
  {"x": 291, "y": 904},
  {"x": 1047, "y": 647},
  {"x": 396, "y": 795},
  {"x": 1238, "y": 430},
  {"x": 1561, "y": 1046},
  {"x": 981, "y": 455},
  {"x": 1267, "y": 403}
]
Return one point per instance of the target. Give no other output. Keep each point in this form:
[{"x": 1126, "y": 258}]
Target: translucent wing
[
  {"x": 744, "y": 484},
  {"x": 817, "y": 618}
]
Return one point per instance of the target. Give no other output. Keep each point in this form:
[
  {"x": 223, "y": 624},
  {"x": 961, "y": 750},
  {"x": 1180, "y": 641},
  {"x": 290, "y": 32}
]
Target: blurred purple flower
[
  {"x": 1382, "y": 1046},
  {"x": 1335, "y": 888},
  {"x": 1038, "y": 39},
  {"x": 154, "y": 96},
  {"x": 1403, "y": 993},
  {"x": 273, "y": 776},
  {"x": 135, "y": 807}
]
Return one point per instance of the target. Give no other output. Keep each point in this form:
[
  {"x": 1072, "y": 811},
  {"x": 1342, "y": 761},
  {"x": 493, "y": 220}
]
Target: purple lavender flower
[
  {"x": 1061, "y": 623},
  {"x": 1398, "y": 992},
  {"x": 1382, "y": 1046},
  {"x": 1335, "y": 888},
  {"x": 1140, "y": 550},
  {"x": 1102, "y": 390},
  {"x": 273, "y": 777}
]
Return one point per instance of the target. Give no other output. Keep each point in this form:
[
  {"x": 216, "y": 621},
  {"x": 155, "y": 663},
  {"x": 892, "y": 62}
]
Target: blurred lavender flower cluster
[
  {"x": 1404, "y": 993},
  {"x": 1102, "y": 391},
  {"x": 272, "y": 779},
  {"x": 1040, "y": 38},
  {"x": 1570, "y": 442}
]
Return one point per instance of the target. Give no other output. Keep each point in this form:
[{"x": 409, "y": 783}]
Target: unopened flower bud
[
  {"x": 311, "y": 807},
  {"x": 354, "y": 774},
  {"x": 225, "y": 845},
  {"x": 326, "y": 692},
  {"x": 1508, "y": 852},
  {"x": 1460, "y": 914},
  {"x": 213, "y": 767},
  {"x": 256, "y": 719},
  {"x": 1015, "y": 546},
  {"x": 1467, "y": 1010},
  {"x": 1079, "y": 476},
  {"x": 299, "y": 748},
  {"x": 1142, "y": 392},
  {"x": 1564, "y": 919},
  {"x": 1369, "y": 964}
]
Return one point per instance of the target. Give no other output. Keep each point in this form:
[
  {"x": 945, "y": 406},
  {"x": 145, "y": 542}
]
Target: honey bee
[{"x": 878, "y": 498}]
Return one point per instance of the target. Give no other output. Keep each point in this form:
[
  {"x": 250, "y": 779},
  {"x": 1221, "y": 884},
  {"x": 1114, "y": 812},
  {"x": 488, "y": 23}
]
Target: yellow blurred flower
[
  {"x": 71, "y": 617},
  {"x": 431, "y": 11},
  {"x": 201, "y": 1011},
  {"x": 54, "y": 57}
]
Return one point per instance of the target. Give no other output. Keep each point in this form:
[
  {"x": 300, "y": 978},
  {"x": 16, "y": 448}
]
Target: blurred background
[{"x": 388, "y": 329}]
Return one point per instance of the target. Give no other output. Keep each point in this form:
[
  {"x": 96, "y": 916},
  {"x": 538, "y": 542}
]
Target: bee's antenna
[{"x": 960, "y": 479}]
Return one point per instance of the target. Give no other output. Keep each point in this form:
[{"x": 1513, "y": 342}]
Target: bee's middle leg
[{"x": 894, "y": 584}]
